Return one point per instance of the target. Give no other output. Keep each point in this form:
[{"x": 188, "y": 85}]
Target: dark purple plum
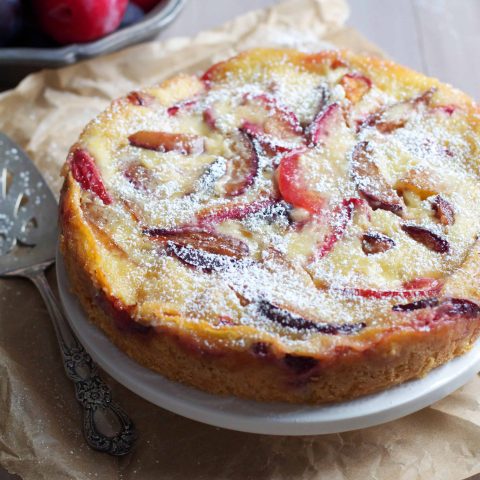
[
  {"x": 10, "y": 20},
  {"x": 133, "y": 14}
]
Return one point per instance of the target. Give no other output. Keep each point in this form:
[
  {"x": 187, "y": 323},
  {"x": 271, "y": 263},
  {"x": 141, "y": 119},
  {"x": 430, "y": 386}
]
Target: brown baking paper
[{"x": 40, "y": 422}]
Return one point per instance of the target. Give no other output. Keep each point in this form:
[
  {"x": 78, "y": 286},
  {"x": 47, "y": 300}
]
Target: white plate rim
[{"x": 257, "y": 417}]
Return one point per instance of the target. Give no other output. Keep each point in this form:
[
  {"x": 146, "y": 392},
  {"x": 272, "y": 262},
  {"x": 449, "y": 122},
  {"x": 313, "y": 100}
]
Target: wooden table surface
[{"x": 437, "y": 37}]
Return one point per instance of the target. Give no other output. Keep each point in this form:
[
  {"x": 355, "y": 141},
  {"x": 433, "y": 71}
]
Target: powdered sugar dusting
[{"x": 413, "y": 151}]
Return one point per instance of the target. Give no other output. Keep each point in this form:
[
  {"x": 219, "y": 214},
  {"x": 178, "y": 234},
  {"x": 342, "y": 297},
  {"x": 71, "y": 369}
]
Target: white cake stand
[{"x": 265, "y": 418}]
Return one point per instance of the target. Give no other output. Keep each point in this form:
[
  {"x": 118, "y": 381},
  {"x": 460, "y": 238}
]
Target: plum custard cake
[{"x": 289, "y": 226}]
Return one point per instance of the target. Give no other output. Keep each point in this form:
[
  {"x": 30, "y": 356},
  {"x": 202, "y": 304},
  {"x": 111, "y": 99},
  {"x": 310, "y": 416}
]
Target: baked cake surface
[{"x": 288, "y": 226}]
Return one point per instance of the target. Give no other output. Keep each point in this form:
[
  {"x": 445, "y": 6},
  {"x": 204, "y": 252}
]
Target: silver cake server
[{"x": 28, "y": 238}]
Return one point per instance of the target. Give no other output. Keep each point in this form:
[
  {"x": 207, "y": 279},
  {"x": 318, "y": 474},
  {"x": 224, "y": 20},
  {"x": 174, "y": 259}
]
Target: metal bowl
[{"x": 15, "y": 63}]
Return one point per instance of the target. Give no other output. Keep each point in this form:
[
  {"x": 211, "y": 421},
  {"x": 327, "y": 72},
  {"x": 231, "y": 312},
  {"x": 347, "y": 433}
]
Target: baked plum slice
[
  {"x": 393, "y": 117},
  {"x": 139, "y": 176},
  {"x": 206, "y": 251},
  {"x": 371, "y": 184},
  {"x": 212, "y": 172},
  {"x": 183, "y": 143},
  {"x": 201, "y": 259},
  {"x": 300, "y": 169},
  {"x": 356, "y": 86},
  {"x": 443, "y": 210},
  {"x": 268, "y": 143},
  {"x": 421, "y": 182},
  {"x": 418, "y": 287},
  {"x": 199, "y": 239},
  {"x": 277, "y": 118},
  {"x": 242, "y": 167},
  {"x": 184, "y": 106},
  {"x": 288, "y": 319},
  {"x": 324, "y": 124},
  {"x": 210, "y": 118},
  {"x": 419, "y": 304},
  {"x": 460, "y": 306},
  {"x": 293, "y": 186},
  {"x": 433, "y": 241},
  {"x": 85, "y": 172},
  {"x": 340, "y": 218},
  {"x": 375, "y": 242},
  {"x": 141, "y": 99},
  {"x": 275, "y": 126},
  {"x": 448, "y": 110},
  {"x": 435, "y": 309},
  {"x": 422, "y": 283},
  {"x": 235, "y": 211}
]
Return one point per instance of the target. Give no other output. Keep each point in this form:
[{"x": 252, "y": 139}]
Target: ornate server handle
[{"x": 99, "y": 411}]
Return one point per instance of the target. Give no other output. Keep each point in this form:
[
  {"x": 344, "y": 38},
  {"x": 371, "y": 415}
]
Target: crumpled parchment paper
[{"x": 40, "y": 422}]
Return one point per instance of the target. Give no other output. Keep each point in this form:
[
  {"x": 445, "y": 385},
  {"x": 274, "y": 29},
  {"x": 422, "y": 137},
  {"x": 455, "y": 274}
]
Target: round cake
[{"x": 288, "y": 226}]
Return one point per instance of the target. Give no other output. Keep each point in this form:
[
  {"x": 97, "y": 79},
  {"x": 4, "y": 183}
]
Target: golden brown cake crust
[
  {"x": 374, "y": 359},
  {"x": 394, "y": 359}
]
